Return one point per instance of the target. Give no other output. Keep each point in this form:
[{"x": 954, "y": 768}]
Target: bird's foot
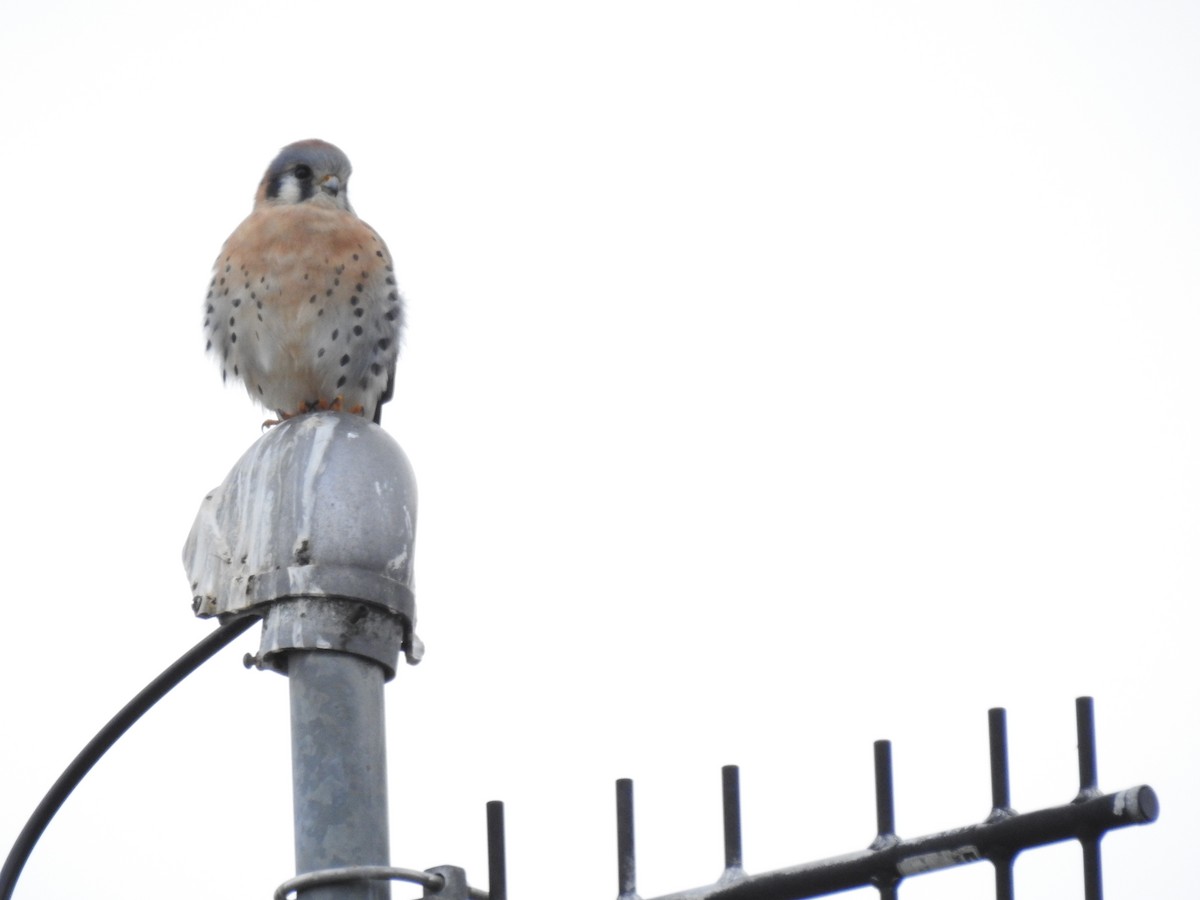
[
  {"x": 284, "y": 416},
  {"x": 327, "y": 406},
  {"x": 338, "y": 404},
  {"x": 335, "y": 405}
]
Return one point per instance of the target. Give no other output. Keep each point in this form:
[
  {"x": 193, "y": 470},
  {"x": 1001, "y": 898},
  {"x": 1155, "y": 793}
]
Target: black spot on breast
[
  {"x": 359, "y": 312},
  {"x": 392, "y": 314},
  {"x": 354, "y": 300},
  {"x": 321, "y": 311},
  {"x": 383, "y": 343},
  {"x": 237, "y": 301},
  {"x": 341, "y": 381},
  {"x": 333, "y": 336},
  {"x": 320, "y": 352},
  {"x": 359, "y": 287},
  {"x": 358, "y": 328},
  {"x": 363, "y": 382},
  {"x": 329, "y": 293},
  {"x": 376, "y": 369},
  {"x": 355, "y": 257},
  {"x": 233, "y": 337},
  {"x": 207, "y": 346},
  {"x": 345, "y": 360},
  {"x": 232, "y": 321},
  {"x": 312, "y": 299}
]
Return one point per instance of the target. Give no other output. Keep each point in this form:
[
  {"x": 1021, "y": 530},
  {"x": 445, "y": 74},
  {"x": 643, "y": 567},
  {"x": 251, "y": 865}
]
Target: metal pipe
[
  {"x": 960, "y": 846},
  {"x": 497, "y": 866},
  {"x": 885, "y": 805},
  {"x": 885, "y": 816},
  {"x": 998, "y": 741},
  {"x": 339, "y": 771},
  {"x": 313, "y": 529},
  {"x": 1085, "y": 726},
  {"x": 1002, "y": 860},
  {"x": 1093, "y": 884},
  {"x": 731, "y": 806},
  {"x": 626, "y": 855},
  {"x": 1004, "y": 878}
]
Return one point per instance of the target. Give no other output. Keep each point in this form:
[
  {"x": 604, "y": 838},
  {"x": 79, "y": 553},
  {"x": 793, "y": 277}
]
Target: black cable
[{"x": 105, "y": 738}]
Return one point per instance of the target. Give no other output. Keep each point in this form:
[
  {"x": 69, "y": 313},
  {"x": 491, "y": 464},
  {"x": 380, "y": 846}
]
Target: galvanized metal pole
[
  {"x": 313, "y": 529},
  {"x": 339, "y": 769}
]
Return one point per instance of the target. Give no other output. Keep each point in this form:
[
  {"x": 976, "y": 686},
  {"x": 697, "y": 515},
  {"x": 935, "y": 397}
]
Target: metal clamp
[{"x": 431, "y": 880}]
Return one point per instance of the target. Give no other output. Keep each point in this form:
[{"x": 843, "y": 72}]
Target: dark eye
[{"x": 303, "y": 172}]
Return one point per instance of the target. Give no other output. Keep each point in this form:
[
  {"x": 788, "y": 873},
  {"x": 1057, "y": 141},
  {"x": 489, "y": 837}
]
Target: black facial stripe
[{"x": 275, "y": 185}]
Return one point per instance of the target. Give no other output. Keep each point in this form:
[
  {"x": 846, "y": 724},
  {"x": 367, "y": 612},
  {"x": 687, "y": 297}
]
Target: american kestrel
[{"x": 303, "y": 306}]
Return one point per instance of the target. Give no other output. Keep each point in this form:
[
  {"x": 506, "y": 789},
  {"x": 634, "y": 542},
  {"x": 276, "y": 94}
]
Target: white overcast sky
[{"x": 780, "y": 377}]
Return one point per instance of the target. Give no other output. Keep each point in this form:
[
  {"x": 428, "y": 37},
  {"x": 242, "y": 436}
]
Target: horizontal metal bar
[{"x": 999, "y": 839}]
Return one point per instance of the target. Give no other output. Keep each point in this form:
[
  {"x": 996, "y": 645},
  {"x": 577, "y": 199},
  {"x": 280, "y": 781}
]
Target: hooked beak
[{"x": 331, "y": 185}]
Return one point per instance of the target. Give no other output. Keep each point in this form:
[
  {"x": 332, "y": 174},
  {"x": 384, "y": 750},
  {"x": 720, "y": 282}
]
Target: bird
[{"x": 303, "y": 307}]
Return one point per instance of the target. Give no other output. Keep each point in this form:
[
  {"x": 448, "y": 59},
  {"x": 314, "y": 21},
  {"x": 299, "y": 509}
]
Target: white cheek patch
[{"x": 289, "y": 190}]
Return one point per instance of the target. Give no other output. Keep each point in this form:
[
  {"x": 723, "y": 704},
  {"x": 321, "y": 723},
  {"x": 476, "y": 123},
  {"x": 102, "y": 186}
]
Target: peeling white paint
[{"x": 308, "y": 494}]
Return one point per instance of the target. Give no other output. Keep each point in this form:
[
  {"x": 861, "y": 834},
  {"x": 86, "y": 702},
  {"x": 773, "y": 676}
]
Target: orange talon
[
  {"x": 334, "y": 405},
  {"x": 284, "y": 416}
]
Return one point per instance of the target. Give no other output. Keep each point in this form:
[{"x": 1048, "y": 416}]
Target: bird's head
[{"x": 310, "y": 171}]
